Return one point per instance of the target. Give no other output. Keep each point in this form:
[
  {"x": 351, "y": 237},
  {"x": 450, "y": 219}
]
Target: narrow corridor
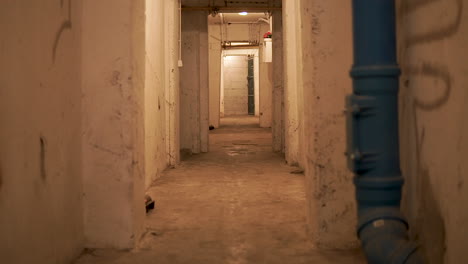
[{"x": 239, "y": 203}]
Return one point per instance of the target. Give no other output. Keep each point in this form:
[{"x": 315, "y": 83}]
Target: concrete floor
[{"x": 237, "y": 204}]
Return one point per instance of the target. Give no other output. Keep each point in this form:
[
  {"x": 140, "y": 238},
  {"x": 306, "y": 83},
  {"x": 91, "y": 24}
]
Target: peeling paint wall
[
  {"x": 327, "y": 58},
  {"x": 194, "y": 87},
  {"x": 113, "y": 66},
  {"x": 432, "y": 41},
  {"x": 40, "y": 120}
]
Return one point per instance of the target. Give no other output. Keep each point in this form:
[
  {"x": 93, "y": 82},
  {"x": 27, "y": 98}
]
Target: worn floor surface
[{"x": 237, "y": 204}]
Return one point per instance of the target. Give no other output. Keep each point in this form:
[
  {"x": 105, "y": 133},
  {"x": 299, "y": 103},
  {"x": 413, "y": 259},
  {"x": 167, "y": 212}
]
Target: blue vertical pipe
[{"x": 372, "y": 124}]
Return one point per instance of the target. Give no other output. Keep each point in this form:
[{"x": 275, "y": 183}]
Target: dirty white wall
[
  {"x": 432, "y": 41},
  {"x": 194, "y": 87},
  {"x": 155, "y": 98},
  {"x": 278, "y": 117},
  {"x": 161, "y": 88},
  {"x": 113, "y": 67},
  {"x": 327, "y": 58},
  {"x": 235, "y": 85},
  {"x": 40, "y": 119}
]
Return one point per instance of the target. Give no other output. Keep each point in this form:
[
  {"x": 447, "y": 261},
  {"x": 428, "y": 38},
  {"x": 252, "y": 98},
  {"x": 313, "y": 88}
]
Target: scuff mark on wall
[{"x": 103, "y": 149}]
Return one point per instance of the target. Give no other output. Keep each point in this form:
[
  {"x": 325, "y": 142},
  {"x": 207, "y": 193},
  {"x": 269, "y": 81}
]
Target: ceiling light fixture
[{"x": 243, "y": 13}]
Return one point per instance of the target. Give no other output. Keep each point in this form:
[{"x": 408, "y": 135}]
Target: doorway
[{"x": 251, "y": 86}]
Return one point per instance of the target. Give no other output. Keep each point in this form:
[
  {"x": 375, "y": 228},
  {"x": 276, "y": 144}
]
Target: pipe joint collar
[
  {"x": 376, "y": 216},
  {"x": 362, "y": 71}
]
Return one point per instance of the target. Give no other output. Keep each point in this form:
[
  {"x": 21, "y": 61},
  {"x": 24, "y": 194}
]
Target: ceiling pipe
[
  {"x": 179, "y": 61},
  {"x": 372, "y": 124},
  {"x": 220, "y": 9},
  {"x": 264, "y": 20}
]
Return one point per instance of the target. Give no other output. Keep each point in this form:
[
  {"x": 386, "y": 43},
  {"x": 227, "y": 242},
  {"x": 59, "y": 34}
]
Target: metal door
[{"x": 251, "y": 86}]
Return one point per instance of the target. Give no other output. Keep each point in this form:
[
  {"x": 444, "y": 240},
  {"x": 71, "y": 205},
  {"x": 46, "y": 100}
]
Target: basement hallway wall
[{"x": 41, "y": 200}]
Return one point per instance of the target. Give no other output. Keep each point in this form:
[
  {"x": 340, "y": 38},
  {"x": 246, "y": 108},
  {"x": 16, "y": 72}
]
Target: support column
[
  {"x": 278, "y": 87},
  {"x": 171, "y": 19},
  {"x": 113, "y": 72},
  {"x": 292, "y": 81},
  {"x": 327, "y": 54},
  {"x": 194, "y": 83},
  {"x": 215, "y": 72}
]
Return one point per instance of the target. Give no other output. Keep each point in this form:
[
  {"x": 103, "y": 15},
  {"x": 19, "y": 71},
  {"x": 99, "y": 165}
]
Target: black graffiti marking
[
  {"x": 438, "y": 72},
  {"x": 66, "y": 25},
  {"x": 42, "y": 158},
  {"x": 410, "y": 6},
  {"x": 443, "y": 32}
]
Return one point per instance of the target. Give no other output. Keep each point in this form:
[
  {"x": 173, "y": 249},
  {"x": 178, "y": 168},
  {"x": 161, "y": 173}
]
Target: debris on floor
[
  {"x": 149, "y": 203},
  {"x": 298, "y": 171}
]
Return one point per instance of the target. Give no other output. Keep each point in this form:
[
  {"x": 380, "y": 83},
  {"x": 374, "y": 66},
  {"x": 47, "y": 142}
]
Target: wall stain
[
  {"x": 460, "y": 178},
  {"x": 42, "y": 157},
  {"x": 66, "y": 25},
  {"x": 1, "y": 177},
  {"x": 115, "y": 79}
]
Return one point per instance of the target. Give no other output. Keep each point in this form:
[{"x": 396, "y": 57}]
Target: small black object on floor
[{"x": 149, "y": 203}]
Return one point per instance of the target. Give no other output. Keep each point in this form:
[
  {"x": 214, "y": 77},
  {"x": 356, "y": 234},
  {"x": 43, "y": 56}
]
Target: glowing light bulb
[{"x": 243, "y": 13}]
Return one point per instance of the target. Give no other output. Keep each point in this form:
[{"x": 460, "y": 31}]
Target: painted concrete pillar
[
  {"x": 327, "y": 56},
  {"x": 293, "y": 102},
  {"x": 278, "y": 86},
  {"x": 113, "y": 63},
  {"x": 194, "y": 88},
  {"x": 155, "y": 91},
  {"x": 171, "y": 20}
]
